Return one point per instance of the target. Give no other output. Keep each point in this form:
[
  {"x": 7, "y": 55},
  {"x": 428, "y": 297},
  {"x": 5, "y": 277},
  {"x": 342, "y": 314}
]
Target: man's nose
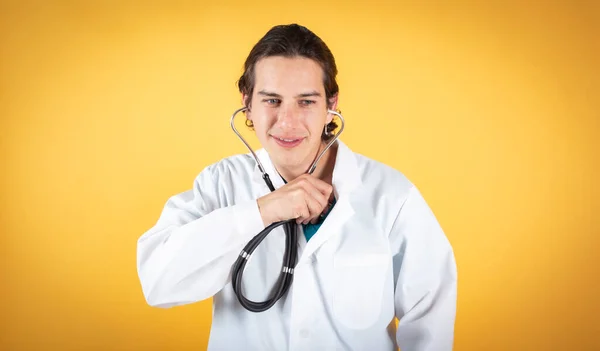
[{"x": 288, "y": 115}]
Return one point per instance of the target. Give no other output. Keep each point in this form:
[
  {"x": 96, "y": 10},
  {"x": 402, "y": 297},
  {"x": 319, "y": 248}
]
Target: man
[{"x": 370, "y": 249}]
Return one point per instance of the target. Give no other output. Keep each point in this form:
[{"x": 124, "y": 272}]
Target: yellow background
[{"x": 108, "y": 108}]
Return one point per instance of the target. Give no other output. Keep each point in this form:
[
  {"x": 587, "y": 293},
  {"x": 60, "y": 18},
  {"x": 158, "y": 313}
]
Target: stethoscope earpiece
[{"x": 316, "y": 161}]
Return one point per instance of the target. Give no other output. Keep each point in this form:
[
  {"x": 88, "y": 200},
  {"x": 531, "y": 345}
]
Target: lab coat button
[{"x": 304, "y": 333}]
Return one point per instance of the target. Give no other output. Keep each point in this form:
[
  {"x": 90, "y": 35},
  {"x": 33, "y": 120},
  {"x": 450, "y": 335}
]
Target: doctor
[{"x": 370, "y": 248}]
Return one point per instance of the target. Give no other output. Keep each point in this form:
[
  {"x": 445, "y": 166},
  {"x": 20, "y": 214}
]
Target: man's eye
[
  {"x": 272, "y": 101},
  {"x": 307, "y": 102}
]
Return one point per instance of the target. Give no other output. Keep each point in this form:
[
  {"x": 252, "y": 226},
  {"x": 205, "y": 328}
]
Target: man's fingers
[
  {"x": 314, "y": 207},
  {"x": 322, "y": 186},
  {"x": 313, "y": 192}
]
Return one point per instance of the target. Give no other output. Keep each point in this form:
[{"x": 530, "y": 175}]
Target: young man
[{"x": 370, "y": 249}]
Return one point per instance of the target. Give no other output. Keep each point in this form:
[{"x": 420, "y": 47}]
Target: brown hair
[{"x": 290, "y": 41}]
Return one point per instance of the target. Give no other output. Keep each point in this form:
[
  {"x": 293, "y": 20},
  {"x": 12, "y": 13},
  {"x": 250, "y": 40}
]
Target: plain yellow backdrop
[{"x": 109, "y": 107}]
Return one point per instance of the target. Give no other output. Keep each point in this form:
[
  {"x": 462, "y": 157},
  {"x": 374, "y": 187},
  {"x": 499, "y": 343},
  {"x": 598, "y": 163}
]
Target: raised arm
[{"x": 187, "y": 255}]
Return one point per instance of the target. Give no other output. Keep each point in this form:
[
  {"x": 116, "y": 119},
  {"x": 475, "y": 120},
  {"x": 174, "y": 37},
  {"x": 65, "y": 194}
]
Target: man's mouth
[{"x": 288, "y": 142}]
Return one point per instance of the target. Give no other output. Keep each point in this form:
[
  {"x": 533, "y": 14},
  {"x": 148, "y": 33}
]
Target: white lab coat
[{"x": 379, "y": 254}]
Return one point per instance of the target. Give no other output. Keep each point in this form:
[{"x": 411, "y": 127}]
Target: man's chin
[{"x": 289, "y": 163}]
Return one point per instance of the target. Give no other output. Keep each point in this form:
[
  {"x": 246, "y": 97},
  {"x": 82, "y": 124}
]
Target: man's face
[{"x": 289, "y": 109}]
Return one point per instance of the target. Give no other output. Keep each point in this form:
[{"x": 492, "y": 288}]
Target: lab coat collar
[{"x": 345, "y": 172}]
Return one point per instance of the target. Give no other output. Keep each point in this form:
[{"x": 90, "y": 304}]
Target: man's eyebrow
[
  {"x": 268, "y": 93},
  {"x": 312, "y": 93},
  {"x": 272, "y": 94}
]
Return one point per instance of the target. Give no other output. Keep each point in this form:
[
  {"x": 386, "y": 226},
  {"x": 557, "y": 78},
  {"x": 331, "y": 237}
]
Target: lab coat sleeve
[
  {"x": 426, "y": 279},
  {"x": 188, "y": 254}
]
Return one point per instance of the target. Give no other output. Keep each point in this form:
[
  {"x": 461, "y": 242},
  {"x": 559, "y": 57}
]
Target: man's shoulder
[
  {"x": 237, "y": 166},
  {"x": 379, "y": 174}
]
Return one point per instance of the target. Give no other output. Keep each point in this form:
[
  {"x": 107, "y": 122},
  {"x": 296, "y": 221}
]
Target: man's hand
[{"x": 304, "y": 199}]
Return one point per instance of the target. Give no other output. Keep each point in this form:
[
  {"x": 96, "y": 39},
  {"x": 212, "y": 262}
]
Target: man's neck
[{"x": 324, "y": 169}]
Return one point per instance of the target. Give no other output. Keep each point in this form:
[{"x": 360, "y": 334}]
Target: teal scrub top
[{"x": 310, "y": 229}]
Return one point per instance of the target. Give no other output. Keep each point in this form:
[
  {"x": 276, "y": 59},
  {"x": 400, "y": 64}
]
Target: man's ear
[
  {"x": 332, "y": 104},
  {"x": 246, "y": 103}
]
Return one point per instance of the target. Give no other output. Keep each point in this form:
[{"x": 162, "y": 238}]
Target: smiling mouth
[{"x": 288, "y": 142}]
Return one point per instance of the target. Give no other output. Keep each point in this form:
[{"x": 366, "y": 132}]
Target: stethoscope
[{"x": 290, "y": 256}]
